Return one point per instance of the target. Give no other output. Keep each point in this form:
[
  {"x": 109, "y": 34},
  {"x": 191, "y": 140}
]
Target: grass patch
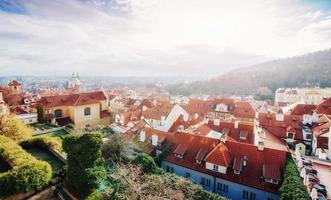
[
  {"x": 47, "y": 156},
  {"x": 58, "y": 134},
  {"x": 39, "y": 126}
]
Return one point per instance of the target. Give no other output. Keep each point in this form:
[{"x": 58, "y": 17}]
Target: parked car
[
  {"x": 307, "y": 162},
  {"x": 313, "y": 171},
  {"x": 308, "y": 168}
]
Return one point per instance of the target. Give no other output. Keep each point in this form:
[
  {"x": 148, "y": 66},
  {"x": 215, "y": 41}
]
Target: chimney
[
  {"x": 216, "y": 122},
  {"x": 260, "y": 146},
  {"x": 154, "y": 140},
  {"x": 196, "y": 115},
  {"x": 144, "y": 108},
  {"x": 1, "y": 98},
  {"x": 236, "y": 124},
  {"x": 162, "y": 120},
  {"x": 142, "y": 137}
]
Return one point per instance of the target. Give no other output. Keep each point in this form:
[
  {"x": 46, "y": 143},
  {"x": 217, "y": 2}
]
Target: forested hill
[{"x": 312, "y": 69}]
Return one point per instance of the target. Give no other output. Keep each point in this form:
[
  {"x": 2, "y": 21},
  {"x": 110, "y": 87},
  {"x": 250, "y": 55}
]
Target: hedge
[
  {"x": 27, "y": 174},
  {"x": 44, "y": 142},
  {"x": 292, "y": 187}
]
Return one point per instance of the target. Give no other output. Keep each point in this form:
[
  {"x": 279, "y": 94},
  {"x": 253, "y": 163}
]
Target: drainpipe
[{"x": 214, "y": 184}]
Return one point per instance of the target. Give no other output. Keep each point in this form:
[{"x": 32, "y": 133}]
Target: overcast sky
[{"x": 156, "y": 37}]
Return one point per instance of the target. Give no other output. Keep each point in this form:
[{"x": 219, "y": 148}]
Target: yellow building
[{"x": 82, "y": 109}]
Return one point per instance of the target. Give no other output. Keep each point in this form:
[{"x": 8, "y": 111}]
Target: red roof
[
  {"x": 324, "y": 107},
  {"x": 219, "y": 156},
  {"x": 198, "y": 106},
  {"x": 235, "y": 133},
  {"x": 14, "y": 83},
  {"x": 303, "y": 109},
  {"x": 14, "y": 99},
  {"x": 271, "y": 171},
  {"x": 181, "y": 149},
  {"x": 278, "y": 128},
  {"x": 201, "y": 155},
  {"x": 244, "y": 110},
  {"x": 72, "y": 100}
]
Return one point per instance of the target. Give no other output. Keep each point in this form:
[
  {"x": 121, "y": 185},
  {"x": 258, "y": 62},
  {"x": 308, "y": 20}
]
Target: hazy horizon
[{"x": 153, "y": 38}]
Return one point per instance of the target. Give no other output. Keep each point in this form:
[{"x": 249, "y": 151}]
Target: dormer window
[
  {"x": 215, "y": 168},
  {"x": 200, "y": 156},
  {"x": 290, "y": 135},
  {"x": 243, "y": 135},
  {"x": 180, "y": 150},
  {"x": 237, "y": 165},
  {"x": 271, "y": 173}
]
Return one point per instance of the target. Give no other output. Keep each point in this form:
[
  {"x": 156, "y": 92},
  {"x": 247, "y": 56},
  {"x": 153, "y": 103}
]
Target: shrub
[
  {"x": 27, "y": 174},
  {"x": 114, "y": 149},
  {"x": 44, "y": 142},
  {"x": 14, "y": 129},
  {"x": 147, "y": 163},
  {"x": 85, "y": 164},
  {"x": 292, "y": 187}
]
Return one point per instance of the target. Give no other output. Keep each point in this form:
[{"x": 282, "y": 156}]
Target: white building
[
  {"x": 28, "y": 118},
  {"x": 286, "y": 96}
]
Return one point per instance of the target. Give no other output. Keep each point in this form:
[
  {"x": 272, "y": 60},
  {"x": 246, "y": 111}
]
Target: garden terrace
[{"x": 27, "y": 173}]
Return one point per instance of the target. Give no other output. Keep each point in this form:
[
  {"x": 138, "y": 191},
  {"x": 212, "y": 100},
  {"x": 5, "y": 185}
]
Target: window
[
  {"x": 187, "y": 175},
  {"x": 215, "y": 168},
  {"x": 202, "y": 181},
  {"x": 167, "y": 169},
  {"x": 58, "y": 113},
  {"x": 290, "y": 135},
  {"x": 308, "y": 136},
  {"x": 269, "y": 180},
  {"x": 208, "y": 182},
  {"x": 172, "y": 170},
  {"x": 222, "y": 187},
  {"x": 87, "y": 111},
  {"x": 248, "y": 195}
]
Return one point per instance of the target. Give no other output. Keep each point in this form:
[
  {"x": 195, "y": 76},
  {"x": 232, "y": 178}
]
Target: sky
[{"x": 156, "y": 37}]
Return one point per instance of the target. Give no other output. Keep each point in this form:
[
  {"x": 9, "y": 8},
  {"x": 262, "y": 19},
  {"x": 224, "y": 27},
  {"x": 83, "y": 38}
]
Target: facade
[
  {"x": 287, "y": 96},
  {"x": 28, "y": 118},
  {"x": 83, "y": 109}
]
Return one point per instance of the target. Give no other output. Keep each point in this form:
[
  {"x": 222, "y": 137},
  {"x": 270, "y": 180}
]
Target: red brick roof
[
  {"x": 198, "y": 106},
  {"x": 14, "y": 99},
  {"x": 244, "y": 110},
  {"x": 72, "y": 100},
  {"x": 272, "y": 171},
  {"x": 324, "y": 107},
  {"x": 157, "y": 112}
]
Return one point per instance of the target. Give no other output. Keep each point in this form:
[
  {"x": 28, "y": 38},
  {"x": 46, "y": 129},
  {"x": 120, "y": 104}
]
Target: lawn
[
  {"x": 59, "y": 133},
  {"x": 39, "y": 126},
  {"x": 47, "y": 156}
]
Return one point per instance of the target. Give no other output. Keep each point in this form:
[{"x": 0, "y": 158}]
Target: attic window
[
  {"x": 290, "y": 135},
  {"x": 200, "y": 156},
  {"x": 237, "y": 165},
  {"x": 180, "y": 150},
  {"x": 243, "y": 135}
]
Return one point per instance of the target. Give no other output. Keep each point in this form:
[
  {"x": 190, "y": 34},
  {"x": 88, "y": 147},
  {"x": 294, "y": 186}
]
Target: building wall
[
  {"x": 221, "y": 169},
  {"x": 81, "y": 120},
  {"x": 235, "y": 191}
]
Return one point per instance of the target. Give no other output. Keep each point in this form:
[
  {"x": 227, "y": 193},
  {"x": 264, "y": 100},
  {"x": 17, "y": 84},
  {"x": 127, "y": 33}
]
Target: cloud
[{"x": 155, "y": 37}]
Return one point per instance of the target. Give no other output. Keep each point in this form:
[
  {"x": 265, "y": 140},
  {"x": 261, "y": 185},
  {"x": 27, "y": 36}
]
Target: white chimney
[
  {"x": 154, "y": 140},
  {"x": 216, "y": 122},
  {"x": 236, "y": 124},
  {"x": 1, "y": 98},
  {"x": 142, "y": 136},
  {"x": 162, "y": 120},
  {"x": 260, "y": 146},
  {"x": 196, "y": 115},
  {"x": 144, "y": 108}
]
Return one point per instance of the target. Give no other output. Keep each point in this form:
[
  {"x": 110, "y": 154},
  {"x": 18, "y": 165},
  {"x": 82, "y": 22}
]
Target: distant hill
[{"x": 308, "y": 70}]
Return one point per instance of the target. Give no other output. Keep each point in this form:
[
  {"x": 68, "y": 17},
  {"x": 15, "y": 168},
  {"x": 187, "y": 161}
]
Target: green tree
[
  {"x": 85, "y": 170},
  {"x": 114, "y": 149},
  {"x": 40, "y": 114},
  {"x": 14, "y": 129},
  {"x": 147, "y": 163}
]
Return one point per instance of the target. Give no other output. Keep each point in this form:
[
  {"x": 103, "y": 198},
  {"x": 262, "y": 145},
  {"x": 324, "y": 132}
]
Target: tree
[
  {"x": 114, "y": 149},
  {"x": 14, "y": 129},
  {"x": 146, "y": 162},
  {"x": 85, "y": 170},
  {"x": 40, "y": 114}
]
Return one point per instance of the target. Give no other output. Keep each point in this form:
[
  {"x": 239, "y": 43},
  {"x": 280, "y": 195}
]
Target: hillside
[{"x": 312, "y": 69}]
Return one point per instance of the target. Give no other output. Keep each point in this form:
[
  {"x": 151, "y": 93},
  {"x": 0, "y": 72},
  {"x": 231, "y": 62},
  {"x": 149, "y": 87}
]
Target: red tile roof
[
  {"x": 302, "y": 109},
  {"x": 14, "y": 99},
  {"x": 244, "y": 110},
  {"x": 14, "y": 83},
  {"x": 72, "y": 100},
  {"x": 272, "y": 171},
  {"x": 278, "y": 128},
  {"x": 181, "y": 149},
  {"x": 219, "y": 155},
  {"x": 324, "y": 107}
]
